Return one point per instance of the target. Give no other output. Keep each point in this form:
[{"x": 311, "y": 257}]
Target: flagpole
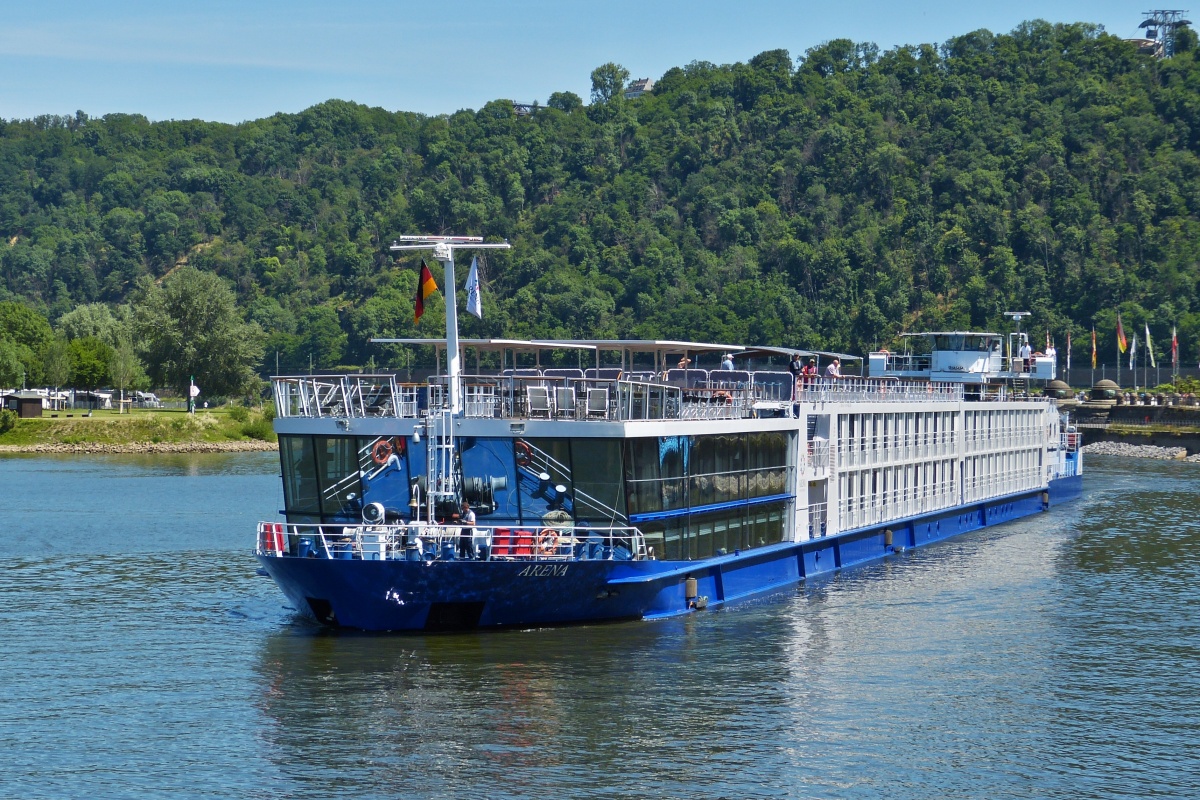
[{"x": 443, "y": 250}]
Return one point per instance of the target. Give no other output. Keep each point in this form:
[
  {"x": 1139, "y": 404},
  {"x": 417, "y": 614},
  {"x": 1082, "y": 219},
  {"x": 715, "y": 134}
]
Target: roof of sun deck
[
  {"x": 634, "y": 345},
  {"x": 631, "y": 345},
  {"x": 929, "y": 334}
]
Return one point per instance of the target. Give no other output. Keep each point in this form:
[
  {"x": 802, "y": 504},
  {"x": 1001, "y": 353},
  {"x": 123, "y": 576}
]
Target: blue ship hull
[{"x": 458, "y": 595}]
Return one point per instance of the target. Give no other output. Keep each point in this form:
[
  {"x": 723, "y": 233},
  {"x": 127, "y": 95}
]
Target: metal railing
[
  {"x": 873, "y": 450},
  {"x": 878, "y": 390},
  {"x": 861, "y": 510},
  {"x": 342, "y": 396},
  {"x": 427, "y": 543},
  {"x": 818, "y": 520}
]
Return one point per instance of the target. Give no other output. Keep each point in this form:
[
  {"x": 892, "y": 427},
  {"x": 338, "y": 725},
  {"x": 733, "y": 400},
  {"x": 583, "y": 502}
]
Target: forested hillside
[{"x": 827, "y": 201}]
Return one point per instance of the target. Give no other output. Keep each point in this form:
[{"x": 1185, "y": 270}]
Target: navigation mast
[
  {"x": 443, "y": 478},
  {"x": 443, "y": 248}
]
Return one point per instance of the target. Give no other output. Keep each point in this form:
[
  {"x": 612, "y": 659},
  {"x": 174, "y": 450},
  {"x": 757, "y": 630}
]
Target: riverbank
[
  {"x": 1128, "y": 450},
  {"x": 225, "y": 430},
  {"x": 97, "y": 448}
]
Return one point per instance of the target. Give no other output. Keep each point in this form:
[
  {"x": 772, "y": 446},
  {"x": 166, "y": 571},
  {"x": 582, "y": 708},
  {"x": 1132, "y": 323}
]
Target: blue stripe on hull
[{"x": 401, "y": 595}]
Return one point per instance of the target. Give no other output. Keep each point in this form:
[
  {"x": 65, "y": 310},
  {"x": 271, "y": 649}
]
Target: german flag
[{"x": 425, "y": 287}]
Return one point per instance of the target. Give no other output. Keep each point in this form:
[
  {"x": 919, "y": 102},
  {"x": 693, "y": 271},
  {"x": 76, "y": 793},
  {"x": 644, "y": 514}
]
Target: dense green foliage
[{"x": 827, "y": 202}]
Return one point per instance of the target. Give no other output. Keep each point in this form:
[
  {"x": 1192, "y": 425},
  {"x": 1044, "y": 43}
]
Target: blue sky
[{"x": 232, "y": 61}]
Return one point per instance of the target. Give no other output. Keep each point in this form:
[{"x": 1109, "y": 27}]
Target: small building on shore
[{"x": 26, "y": 404}]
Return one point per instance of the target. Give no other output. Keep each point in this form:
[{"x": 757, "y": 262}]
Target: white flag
[
  {"x": 1133, "y": 352},
  {"x": 1150, "y": 347},
  {"x": 474, "y": 301}
]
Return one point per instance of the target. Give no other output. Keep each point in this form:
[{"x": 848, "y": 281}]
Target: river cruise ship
[{"x": 635, "y": 485}]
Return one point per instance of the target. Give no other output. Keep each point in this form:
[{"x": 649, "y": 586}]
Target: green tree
[
  {"x": 56, "y": 363},
  {"x": 608, "y": 82},
  {"x": 190, "y": 326},
  {"x": 89, "y": 362},
  {"x": 12, "y": 371},
  {"x": 124, "y": 367},
  {"x": 92, "y": 319}
]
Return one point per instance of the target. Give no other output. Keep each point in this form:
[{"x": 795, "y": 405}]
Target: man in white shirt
[
  {"x": 834, "y": 370},
  {"x": 1026, "y": 354}
]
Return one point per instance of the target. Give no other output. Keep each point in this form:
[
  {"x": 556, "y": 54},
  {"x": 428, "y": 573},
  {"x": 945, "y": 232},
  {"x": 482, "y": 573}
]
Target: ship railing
[
  {"x": 878, "y": 390},
  {"x": 860, "y": 510},
  {"x": 866, "y": 451},
  {"x": 342, "y": 396},
  {"x": 1063, "y": 468},
  {"x": 985, "y": 486},
  {"x": 605, "y": 399},
  {"x": 818, "y": 520},
  {"x": 818, "y": 454},
  {"x": 514, "y": 397},
  {"x": 438, "y": 542},
  {"x": 985, "y": 441}
]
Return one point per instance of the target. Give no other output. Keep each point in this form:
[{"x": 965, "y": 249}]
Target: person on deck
[
  {"x": 466, "y": 534},
  {"x": 727, "y": 362},
  {"x": 808, "y": 373},
  {"x": 795, "y": 366},
  {"x": 1026, "y": 354},
  {"x": 834, "y": 370}
]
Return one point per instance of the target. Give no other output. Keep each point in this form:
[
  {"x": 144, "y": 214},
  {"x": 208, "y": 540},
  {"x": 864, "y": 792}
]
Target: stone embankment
[
  {"x": 1139, "y": 451},
  {"x": 95, "y": 448}
]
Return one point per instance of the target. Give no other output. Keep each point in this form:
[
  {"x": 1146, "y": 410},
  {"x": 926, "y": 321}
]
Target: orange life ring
[
  {"x": 524, "y": 453},
  {"x": 547, "y": 541},
  {"x": 381, "y": 452}
]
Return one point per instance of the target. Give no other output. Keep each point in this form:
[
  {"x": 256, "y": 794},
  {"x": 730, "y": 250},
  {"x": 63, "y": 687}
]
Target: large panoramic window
[
  {"x": 320, "y": 477},
  {"x": 301, "y": 495},
  {"x": 599, "y": 488},
  {"x": 701, "y": 496}
]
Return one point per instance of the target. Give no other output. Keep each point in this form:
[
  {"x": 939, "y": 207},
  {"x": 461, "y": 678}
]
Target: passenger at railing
[
  {"x": 466, "y": 534},
  {"x": 795, "y": 366},
  {"x": 727, "y": 362},
  {"x": 808, "y": 373},
  {"x": 834, "y": 370},
  {"x": 684, "y": 363}
]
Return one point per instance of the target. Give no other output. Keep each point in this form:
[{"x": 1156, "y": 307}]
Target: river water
[{"x": 142, "y": 657}]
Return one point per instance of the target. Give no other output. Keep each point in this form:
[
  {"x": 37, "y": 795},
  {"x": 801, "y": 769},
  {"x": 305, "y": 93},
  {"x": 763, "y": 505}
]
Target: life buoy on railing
[
  {"x": 524, "y": 453},
  {"x": 273, "y": 540},
  {"x": 381, "y": 451},
  {"x": 547, "y": 541}
]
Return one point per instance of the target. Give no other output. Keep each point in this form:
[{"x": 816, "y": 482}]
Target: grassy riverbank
[{"x": 210, "y": 430}]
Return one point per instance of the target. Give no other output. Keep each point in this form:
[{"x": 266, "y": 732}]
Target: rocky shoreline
[
  {"x": 1139, "y": 451},
  {"x": 96, "y": 448}
]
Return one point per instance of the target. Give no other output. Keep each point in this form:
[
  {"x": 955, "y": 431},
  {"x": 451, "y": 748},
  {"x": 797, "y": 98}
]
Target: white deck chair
[
  {"x": 564, "y": 401},
  {"x": 597, "y": 402},
  {"x": 538, "y": 401}
]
